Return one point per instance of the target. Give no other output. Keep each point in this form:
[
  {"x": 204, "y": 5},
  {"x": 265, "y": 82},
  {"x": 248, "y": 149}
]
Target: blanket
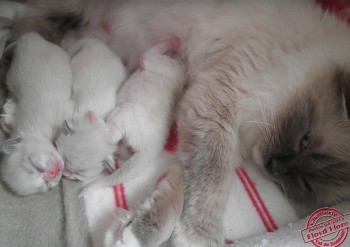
[{"x": 53, "y": 219}]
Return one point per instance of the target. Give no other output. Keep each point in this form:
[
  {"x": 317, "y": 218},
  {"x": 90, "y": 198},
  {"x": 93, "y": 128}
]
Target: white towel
[{"x": 255, "y": 205}]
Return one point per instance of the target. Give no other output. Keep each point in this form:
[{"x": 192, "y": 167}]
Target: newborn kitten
[
  {"x": 39, "y": 80},
  {"x": 97, "y": 75},
  {"x": 268, "y": 81},
  {"x": 144, "y": 111}
]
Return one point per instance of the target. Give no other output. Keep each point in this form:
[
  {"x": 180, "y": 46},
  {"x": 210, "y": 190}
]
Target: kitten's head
[
  {"x": 306, "y": 146},
  {"x": 84, "y": 145},
  {"x": 31, "y": 164},
  {"x": 168, "y": 68}
]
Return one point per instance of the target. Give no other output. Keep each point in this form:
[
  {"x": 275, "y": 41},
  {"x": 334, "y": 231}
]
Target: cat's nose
[
  {"x": 279, "y": 166},
  {"x": 56, "y": 170}
]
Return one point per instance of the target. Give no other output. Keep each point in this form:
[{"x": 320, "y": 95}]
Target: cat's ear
[
  {"x": 10, "y": 145},
  {"x": 67, "y": 127},
  {"x": 343, "y": 78},
  {"x": 91, "y": 116}
]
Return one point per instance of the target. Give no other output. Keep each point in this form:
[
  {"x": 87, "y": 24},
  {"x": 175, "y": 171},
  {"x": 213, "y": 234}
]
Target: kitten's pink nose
[{"x": 56, "y": 170}]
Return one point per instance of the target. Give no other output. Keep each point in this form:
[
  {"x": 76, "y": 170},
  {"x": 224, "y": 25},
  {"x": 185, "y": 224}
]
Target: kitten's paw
[{"x": 8, "y": 115}]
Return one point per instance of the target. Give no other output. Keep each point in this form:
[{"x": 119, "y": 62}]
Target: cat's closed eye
[
  {"x": 305, "y": 142},
  {"x": 36, "y": 165}
]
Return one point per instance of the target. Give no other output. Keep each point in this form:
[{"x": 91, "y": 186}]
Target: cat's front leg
[
  {"x": 208, "y": 151},
  {"x": 155, "y": 218}
]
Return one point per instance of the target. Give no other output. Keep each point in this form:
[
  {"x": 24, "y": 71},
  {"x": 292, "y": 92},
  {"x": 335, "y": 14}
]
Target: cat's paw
[
  {"x": 8, "y": 115},
  {"x": 186, "y": 235},
  {"x": 125, "y": 239},
  {"x": 120, "y": 233}
]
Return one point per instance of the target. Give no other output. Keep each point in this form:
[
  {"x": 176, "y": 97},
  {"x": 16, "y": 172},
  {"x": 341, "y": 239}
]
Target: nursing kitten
[
  {"x": 39, "y": 80},
  {"x": 143, "y": 112},
  {"x": 97, "y": 75},
  {"x": 268, "y": 81}
]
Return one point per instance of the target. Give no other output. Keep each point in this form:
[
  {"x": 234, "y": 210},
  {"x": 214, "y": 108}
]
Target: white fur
[
  {"x": 11, "y": 10},
  {"x": 97, "y": 75},
  {"x": 119, "y": 234},
  {"x": 144, "y": 112},
  {"x": 40, "y": 80}
]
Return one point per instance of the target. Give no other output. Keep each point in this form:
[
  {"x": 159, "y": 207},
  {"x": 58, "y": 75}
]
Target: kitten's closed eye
[
  {"x": 35, "y": 164},
  {"x": 67, "y": 128}
]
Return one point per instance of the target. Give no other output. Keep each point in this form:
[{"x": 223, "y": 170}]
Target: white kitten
[
  {"x": 40, "y": 80},
  {"x": 144, "y": 110},
  {"x": 97, "y": 75}
]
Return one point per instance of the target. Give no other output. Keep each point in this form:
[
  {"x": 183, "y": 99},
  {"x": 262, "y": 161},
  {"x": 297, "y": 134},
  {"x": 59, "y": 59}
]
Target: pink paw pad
[
  {"x": 176, "y": 43},
  {"x": 91, "y": 116},
  {"x": 228, "y": 242},
  {"x": 8, "y": 127},
  {"x": 107, "y": 25},
  {"x": 141, "y": 64}
]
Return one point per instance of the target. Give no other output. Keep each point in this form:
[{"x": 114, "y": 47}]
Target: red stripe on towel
[
  {"x": 116, "y": 196},
  {"x": 252, "y": 196},
  {"x": 123, "y": 196},
  {"x": 262, "y": 203},
  {"x": 119, "y": 192}
]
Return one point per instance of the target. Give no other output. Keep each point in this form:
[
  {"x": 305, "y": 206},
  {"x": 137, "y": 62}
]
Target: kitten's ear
[
  {"x": 8, "y": 146},
  {"x": 343, "y": 78},
  {"x": 67, "y": 127}
]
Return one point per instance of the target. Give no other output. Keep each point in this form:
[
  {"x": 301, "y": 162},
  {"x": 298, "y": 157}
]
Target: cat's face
[
  {"x": 306, "y": 147},
  {"x": 31, "y": 165},
  {"x": 84, "y": 145}
]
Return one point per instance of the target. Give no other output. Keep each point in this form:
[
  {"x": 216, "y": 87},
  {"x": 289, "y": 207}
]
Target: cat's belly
[{"x": 135, "y": 27}]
